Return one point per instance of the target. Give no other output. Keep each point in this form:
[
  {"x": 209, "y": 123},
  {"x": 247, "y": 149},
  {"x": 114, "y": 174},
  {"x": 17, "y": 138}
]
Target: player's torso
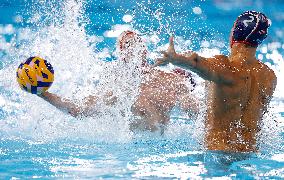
[
  {"x": 161, "y": 89},
  {"x": 234, "y": 110}
]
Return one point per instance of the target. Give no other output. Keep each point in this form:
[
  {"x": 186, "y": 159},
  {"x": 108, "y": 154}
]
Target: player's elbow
[{"x": 75, "y": 111}]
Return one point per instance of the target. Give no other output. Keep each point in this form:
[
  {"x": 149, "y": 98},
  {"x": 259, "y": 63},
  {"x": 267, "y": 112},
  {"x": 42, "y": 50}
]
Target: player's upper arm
[
  {"x": 269, "y": 86},
  {"x": 216, "y": 69},
  {"x": 272, "y": 81}
]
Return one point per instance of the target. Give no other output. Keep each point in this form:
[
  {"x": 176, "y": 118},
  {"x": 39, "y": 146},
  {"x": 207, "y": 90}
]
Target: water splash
[
  {"x": 62, "y": 40},
  {"x": 58, "y": 34}
]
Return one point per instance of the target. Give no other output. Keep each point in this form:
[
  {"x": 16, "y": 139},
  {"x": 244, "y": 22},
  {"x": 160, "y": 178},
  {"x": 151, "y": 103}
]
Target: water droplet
[
  {"x": 127, "y": 18},
  {"x": 197, "y": 10}
]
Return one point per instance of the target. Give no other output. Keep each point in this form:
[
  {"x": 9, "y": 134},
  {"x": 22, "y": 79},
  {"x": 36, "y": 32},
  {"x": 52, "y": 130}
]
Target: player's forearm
[
  {"x": 187, "y": 62},
  {"x": 205, "y": 68},
  {"x": 194, "y": 63},
  {"x": 63, "y": 105}
]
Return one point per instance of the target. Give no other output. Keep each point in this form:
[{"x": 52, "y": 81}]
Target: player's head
[
  {"x": 131, "y": 45},
  {"x": 250, "y": 28}
]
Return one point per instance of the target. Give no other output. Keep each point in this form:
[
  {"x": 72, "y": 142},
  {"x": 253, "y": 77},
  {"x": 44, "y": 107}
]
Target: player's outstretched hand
[{"x": 168, "y": 55}]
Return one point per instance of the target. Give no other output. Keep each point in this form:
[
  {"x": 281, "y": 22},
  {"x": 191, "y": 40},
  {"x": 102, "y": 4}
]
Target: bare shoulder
[
  {"x": 156, "y": 78},
  {"x": 168, "y": 80},
  {"x": 221, "y": 57},
  {"x": 270, "y": 78},
  {"x": 163, "y": 75},
  {"x": 267, "y": 72}
]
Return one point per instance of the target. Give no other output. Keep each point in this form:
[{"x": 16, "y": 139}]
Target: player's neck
[{"x": 240, "y": 51}]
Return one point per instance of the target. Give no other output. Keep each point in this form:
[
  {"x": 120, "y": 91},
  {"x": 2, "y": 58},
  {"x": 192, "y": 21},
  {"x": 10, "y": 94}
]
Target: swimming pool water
[{"x": 38, "y": 141}]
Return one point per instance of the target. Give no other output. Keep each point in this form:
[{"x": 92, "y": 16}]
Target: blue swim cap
[{"x": 250, "y": 28}]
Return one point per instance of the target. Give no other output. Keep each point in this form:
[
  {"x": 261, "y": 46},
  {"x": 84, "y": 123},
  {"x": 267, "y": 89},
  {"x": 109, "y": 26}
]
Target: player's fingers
[
  {"x": 165, "y": 53},
  {"x": 172, "y": 41},
  {"x": 160, "y": 62}
]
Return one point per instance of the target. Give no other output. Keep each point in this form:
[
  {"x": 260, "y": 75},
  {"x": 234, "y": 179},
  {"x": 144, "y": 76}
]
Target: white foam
[
  {"x": 278, "y": 157},
  {"x": 2, "y": 101},
  {"x": 66, "y": 45},
  {"x": 127, "y": 18},
  {"x": 18, "y": 19},
  {"x": 117, "y": 30}
]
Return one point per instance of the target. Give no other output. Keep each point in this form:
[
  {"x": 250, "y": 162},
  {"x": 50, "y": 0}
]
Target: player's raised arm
[{"x": 208, "y": 68}]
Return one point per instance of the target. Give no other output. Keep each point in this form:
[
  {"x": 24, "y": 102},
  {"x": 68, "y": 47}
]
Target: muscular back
[{"x": 235, "y": 109}]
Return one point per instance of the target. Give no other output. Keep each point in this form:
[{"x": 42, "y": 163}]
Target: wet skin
[
  {"x": 159, "y": 91},
  {"x": 239, "y": 88},
  {"x": 234, "y": 110}
]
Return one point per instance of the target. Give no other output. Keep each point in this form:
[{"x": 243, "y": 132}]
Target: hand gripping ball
[{"x": 35, "y": 75}]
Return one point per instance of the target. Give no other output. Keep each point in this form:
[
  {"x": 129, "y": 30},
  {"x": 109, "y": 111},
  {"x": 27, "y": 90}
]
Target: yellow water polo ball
[{"x": 35, "y": 75}]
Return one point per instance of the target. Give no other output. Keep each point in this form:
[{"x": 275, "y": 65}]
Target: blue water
[{"x": 38, "y": 141}]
